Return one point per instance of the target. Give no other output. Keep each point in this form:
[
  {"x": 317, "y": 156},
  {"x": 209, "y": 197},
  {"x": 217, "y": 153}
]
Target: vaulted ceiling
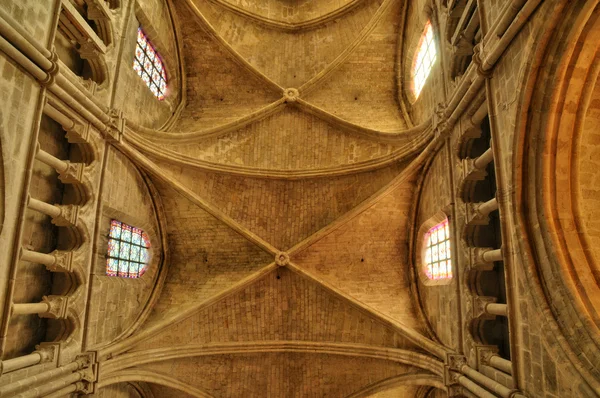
[{"x": 288, "y": 183}]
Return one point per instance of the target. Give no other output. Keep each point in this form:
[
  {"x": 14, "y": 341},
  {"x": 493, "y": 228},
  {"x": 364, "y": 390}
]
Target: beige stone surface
[{"x": 285, "y": 190}]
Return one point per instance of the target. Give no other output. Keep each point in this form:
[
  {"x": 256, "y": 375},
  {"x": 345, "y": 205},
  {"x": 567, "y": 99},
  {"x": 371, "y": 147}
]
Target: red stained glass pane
[{"x": 150, "y": 67}]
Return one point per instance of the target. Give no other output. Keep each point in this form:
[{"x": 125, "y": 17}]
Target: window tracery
[
  {"x": 149, "y": 66},
  {"x": 438, "y": 260},
  {"x": 128, "y": 251},
  {"x": 426, "y": 57}
]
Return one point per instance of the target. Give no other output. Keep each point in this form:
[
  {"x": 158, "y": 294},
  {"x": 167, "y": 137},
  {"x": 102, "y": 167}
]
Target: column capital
[
  {"x": 73, "y": 173},
  {"x": 479, "y": 304},
  {"x": 68, "y": 216},
  {"x": 57, "y": 307},
  {"x": 63, "y": 261}
]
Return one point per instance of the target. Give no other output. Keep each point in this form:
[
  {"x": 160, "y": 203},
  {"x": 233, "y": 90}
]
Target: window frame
[
  {"x": 144, "y": 60},
  {"x": 417, "y": 87},
  {"x": 144, "y": 246},
  {"x": 421, "y": 247}
]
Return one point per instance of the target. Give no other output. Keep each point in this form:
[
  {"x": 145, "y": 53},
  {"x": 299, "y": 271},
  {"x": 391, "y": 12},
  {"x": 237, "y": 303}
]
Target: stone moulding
[
  {"x": 116, "y": 365},
  {"x": 557, "y": 257},
  {"x": 273, "y": 23}
]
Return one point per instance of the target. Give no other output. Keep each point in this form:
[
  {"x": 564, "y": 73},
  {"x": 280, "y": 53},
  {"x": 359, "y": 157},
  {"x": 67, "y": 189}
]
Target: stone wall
[
  {"x": 440, "y": 301},
  {"x": 117, "y": 302}
]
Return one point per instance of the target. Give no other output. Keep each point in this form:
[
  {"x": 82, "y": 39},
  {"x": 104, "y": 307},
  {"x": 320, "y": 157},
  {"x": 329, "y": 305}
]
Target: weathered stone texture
[
  {"x": 283, "y": 212},
  {"x": 130, "y": 93},
  {"x": 278, "y": 374},
  {"x": 206, "y": 256},
  {"x": 363, "y": 89},
  {"x": 290, "y": 140},
  {"x": 281, "y": 306},
  {"x": 219, "y": 88},
  {"x": 366, "y": 258},
  {"x": 298, "y": 55},
  {"x": 117, "y": 302},
  {"x": 440, "y": 302}
]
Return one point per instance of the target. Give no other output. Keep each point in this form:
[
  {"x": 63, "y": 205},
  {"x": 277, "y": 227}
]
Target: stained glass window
[
  {"x": 128, "y": 251},
  {"x": 426, "y": 57},
  {"x": 149, "y": 67},
  {"x": 438, "y": 261}
]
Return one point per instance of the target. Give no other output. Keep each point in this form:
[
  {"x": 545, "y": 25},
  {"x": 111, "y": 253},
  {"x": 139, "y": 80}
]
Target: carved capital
[
  {"x": 88, "y": 371},
  {"x": 48, "y": 351},
  {"x": 78, "y": 133},
  {"x": 68, "y": 216},
  {"x": 282, "y": 259},
  {"x": 452, "y": 369},
  {"x": 471, "y": 172},
  {"x": 455, "y": 362},
  {"x": 86, "y": 360},
  {"x": 484, "y": 353},
  {"x": 63, "y": 261},
  {"x": 57, "y": 307},
  {"x": 73, "y": 173},
  {"x": 479, "y": 304},
  {"x": 462, "y": 47},
  {"x": 474, "y": 216},
  {"x": 477, "y": 260}
]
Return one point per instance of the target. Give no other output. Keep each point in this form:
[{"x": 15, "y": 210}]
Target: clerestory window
[
  {"x": 149, "y": 66},
  {"x": 128, "y": 251},
  {"x": 438, "y": 260},
  {"x": 426, "y": 56}
]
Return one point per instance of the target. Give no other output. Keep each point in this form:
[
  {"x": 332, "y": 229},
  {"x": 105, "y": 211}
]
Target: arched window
[
  {"x": 128, "y": 251},
  {"x": 437, "y": 261},
  {"x": 149, "y": 67},
  {"x": 426, "y": 56}
]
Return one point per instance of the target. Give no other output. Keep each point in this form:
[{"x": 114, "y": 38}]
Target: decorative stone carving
[
  {"x": 68, "y": 216},
  {"x": 57, "y": 307},
  {"x": 78, "y": 134},
  {"x": 63, "y": 261},
  {"x": 479, "y": 304},
  {"x": 282, "y": 259},
  {"x": 291, "y": 94},
  {"x": 73, "y": 173},
  {"x": 89, "y": 373},
  {"x": 114, "y": 131},
  {"x": 477, "y": 260},
  {"x": 48, "y": 351},
  {"x": 455, "y": 361},
  {"x": 484, "y": 353},
  {"x": 476, "y": 217}
]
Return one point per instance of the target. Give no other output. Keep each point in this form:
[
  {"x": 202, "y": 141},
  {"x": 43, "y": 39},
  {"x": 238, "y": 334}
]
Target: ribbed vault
[{"x": 292, "y": 140}]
